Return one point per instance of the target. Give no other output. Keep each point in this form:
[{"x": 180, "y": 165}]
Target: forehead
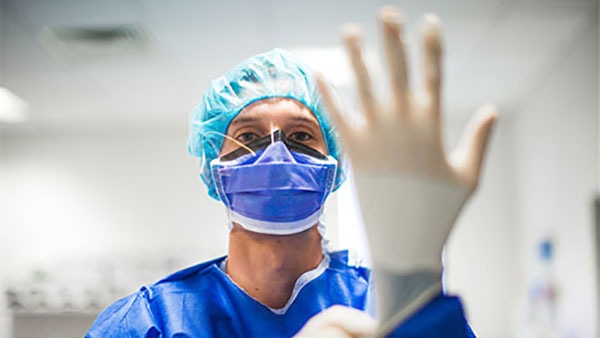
[{"x": 275, "y": 110}]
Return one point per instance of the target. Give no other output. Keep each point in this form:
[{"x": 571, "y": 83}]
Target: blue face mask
[{"x": 274, "y": 185}]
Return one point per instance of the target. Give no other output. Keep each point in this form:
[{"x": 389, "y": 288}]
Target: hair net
[{"x": 276, "y": 73}]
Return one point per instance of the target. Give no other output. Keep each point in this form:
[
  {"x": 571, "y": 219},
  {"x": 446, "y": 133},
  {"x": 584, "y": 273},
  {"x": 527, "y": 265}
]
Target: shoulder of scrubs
[
  {"x": 132, "y": 316},
  {"x": 202, "y": 301},
  {"x": 443, "y": 314},
  {"x": 116, "y": 321}
]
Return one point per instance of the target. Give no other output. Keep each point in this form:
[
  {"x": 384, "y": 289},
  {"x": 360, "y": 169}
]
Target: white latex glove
[
  {"x": 339, "y": 322},
  {"x": 410, "y": 190}
]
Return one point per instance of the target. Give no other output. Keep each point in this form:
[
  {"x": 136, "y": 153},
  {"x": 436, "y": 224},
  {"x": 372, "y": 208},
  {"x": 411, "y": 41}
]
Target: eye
[
  {"x": 300, "y": 136},
  {"x": 246, "y": 138}
]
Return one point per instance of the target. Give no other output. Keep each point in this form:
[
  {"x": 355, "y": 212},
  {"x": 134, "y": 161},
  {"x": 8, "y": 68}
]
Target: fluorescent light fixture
[
  {"x": 12, "y": 108},
  {"x": 83, "y": 44}
]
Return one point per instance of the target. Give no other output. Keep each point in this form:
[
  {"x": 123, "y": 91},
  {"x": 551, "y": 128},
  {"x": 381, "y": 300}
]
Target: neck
[{"x": 267, "y": 266}]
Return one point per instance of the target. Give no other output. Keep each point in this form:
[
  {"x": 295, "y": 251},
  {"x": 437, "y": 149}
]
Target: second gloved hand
[{"x": 339, "y": 322}]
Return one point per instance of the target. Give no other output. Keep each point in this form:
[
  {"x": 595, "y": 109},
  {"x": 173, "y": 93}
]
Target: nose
[
  {"x": 277, "y": 151},
  {"x": 277, "y": 136}
]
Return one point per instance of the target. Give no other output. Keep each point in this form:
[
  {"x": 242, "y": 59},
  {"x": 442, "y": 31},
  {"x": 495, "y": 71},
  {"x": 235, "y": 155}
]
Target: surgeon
[{"x": 270, "y": 153}]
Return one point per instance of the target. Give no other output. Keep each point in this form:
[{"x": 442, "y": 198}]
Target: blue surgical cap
[{"x": 276, "y": 73}]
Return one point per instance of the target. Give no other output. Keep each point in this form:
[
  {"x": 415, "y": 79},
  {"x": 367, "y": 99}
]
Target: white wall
[
  {"x": 98, "y": 192},
  {"x": 481, "y": 256},
  {"x": 100, "y": 201},
  {"x": 540, "y": 181},
  {"x": 556, "y": 131}
]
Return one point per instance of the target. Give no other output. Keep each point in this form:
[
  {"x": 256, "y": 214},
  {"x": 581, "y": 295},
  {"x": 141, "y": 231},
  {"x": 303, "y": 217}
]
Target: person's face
[{"x": 261, "y": 118}]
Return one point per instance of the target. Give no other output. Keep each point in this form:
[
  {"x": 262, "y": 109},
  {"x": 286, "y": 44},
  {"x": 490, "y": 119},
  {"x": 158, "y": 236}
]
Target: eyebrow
[
  {"x": 243, "y": 119},
  {"x": 250, "y": 119},
  {"x": 305, "y": 120}
]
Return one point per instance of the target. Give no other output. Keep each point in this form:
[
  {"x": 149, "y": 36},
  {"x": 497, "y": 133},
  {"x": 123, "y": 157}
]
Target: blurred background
[{"x": 98, "y": 195}]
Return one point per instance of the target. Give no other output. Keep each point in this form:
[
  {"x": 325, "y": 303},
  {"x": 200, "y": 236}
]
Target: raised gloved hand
[
  {"x": 410, "y": 190},
  {"x": 339, "y": 322}
]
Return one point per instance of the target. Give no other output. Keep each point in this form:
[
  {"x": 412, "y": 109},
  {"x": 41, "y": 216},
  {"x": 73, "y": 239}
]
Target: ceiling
[{"x": 495, "y": 50}]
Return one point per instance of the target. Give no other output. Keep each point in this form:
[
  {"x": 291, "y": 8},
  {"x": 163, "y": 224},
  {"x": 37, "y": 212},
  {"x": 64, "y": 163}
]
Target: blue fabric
[
  {"x": 442, "y": 317},
  {"x": 276, "y": 73},
  {"x": 202, "y": 301}
]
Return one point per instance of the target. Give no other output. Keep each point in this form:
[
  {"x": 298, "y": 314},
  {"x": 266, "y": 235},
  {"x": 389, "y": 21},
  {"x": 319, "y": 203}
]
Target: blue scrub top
[{"x": 202, "y": 301}]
